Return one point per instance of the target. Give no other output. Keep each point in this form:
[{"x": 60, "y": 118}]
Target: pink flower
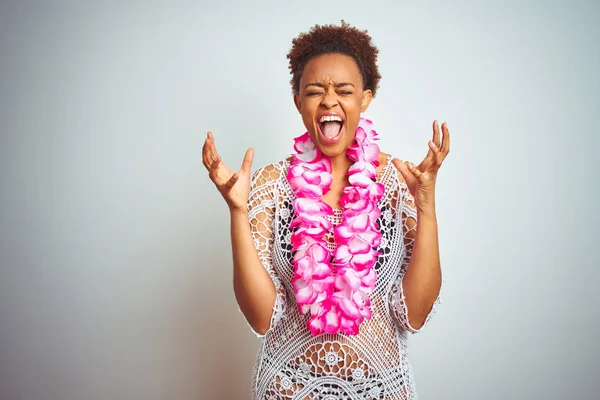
[
  {"x": 357, "y": 206},
  {"x": 365, "y": 260},
  {"x": 347, "y": 279},
  {"x": 348, "y": 308},
  {"x": 359, "y": 262},
  {"x": 364, "y": 168},
  {"x": 331, "y": 321},
  {"x": 323, "y": 165},
  {"x": 360, "y": 180},
  {"x": 354, "y": 223},
  {"x": 367, "y": 124},
  {"x": 302, "y": 245},
  {"x": 361, "y": 243},
  {"x": 315, "y": 325},
  {"x": 376, "y": 191},
  {"x": 306, "y": 235},
  {"x": 311, "y": 212},
  {"x": 365, "y": 148},
  {"x": 305, "y": 292},
  {"x": 368, "y": 280},
  {"x": 305, "y": 148},
  {"x": 348, "y": 326},
  {"x": 310, "y": 180}
]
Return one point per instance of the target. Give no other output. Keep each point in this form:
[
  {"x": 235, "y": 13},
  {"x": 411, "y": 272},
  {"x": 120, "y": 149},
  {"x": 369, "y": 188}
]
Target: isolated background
[{"x": 115, "y": 270}]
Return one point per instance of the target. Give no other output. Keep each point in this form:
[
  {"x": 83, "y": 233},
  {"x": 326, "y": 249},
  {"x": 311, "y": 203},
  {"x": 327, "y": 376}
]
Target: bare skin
[{"x": 332, "y": 83}]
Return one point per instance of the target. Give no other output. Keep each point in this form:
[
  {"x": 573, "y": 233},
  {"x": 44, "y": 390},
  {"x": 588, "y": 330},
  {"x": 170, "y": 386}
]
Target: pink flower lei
[{"x": 336, "y": 292}]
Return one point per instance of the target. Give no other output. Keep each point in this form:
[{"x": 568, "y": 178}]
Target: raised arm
[
  {"x": 254, "y": 289},
  {"x": 422, "y": 281}
]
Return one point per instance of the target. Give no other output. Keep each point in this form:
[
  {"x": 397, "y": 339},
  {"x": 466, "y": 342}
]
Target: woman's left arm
[
  {"x": 422, "y": 281},
  {"x": 423, "y": 278}
]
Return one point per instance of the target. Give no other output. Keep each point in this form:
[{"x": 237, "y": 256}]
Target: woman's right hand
[{"x": 233, "y": 186}]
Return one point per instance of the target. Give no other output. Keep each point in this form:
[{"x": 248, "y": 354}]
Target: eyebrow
[{"x": 337, "y": 85}]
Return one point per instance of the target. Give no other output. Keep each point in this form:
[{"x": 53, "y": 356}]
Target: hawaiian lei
[{"x": 336, "y": 292}]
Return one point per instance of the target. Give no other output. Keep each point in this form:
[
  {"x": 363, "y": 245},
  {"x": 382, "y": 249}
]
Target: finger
[
  {"x": 214, "y": 170},
  {"x": 437, "y": 160},
  {"x": 247, "y": 163},
  {"x": 206, "y": 158},
  {"x": 434, "y": 149},
  {"x": 430, "y": 157},
  {"x": 215, "y": 164},
  {"x": 436, "y": 134},
  {"x": 413, "y": 170},
  {"x": 446, "y": 139},
  {"x": 211, "y": 146},
  {"x": 406, "y": 174},
  {"x": 231, "y": 182}
]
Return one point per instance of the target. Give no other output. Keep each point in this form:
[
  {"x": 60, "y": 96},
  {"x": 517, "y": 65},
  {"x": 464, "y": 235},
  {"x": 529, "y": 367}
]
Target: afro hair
[{"x": 327, "y": 39}]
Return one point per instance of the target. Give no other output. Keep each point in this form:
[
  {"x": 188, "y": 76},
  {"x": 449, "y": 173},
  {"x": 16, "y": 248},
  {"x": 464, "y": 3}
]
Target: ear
[
  {"x": 297, "y": 101},
  {"x": 367, "y": 96}
]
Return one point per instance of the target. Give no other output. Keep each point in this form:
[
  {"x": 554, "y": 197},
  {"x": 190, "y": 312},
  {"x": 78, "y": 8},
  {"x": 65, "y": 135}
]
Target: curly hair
[{"x": 344, "y": 39}]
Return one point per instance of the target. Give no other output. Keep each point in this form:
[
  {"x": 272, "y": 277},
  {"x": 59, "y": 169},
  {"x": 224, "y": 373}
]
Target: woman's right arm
[{"x": 253, "y": 286}]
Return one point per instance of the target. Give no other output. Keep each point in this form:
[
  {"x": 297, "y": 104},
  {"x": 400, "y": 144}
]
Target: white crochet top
[{"x": 293, "y": 364}]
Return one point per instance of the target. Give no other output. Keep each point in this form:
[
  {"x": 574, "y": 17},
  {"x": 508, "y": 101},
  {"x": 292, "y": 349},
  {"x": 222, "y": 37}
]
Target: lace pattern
[{"x": 293, "y": 364}]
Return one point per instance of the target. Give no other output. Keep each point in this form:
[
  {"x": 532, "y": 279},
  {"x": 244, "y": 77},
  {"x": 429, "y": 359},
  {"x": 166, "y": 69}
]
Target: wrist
[
  {"x": 425, "y": 202},
  {"x": 426, "y": 211},
  {"x": 238, "y": 212}
]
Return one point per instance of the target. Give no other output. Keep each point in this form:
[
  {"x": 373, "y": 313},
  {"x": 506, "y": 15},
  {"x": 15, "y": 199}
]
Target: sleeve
[
  {"x": 408, "y": 221},
  {"x": 261, "y": 211}
]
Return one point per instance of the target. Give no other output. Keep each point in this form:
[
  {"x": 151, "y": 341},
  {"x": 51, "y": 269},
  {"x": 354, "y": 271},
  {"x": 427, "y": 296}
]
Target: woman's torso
[{"x": 293, "y": 364}]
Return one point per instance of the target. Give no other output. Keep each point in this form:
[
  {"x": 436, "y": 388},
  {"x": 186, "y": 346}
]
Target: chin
[{"x": 333, "y": 152}]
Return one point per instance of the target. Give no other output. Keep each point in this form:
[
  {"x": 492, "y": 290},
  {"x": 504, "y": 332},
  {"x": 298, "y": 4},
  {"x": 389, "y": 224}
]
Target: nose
[{"x": 329, "y": 99}]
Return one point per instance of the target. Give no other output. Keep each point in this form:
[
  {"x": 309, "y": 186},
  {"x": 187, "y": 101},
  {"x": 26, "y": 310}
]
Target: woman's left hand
[{"x": 421, "y": 179}]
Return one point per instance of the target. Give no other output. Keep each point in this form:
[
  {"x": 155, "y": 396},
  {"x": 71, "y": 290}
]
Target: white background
[{"x": 115, "y": 266}]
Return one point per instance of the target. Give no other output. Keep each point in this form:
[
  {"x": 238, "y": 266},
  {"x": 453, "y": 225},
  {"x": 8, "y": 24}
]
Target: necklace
[{"x": 334, "y": 288}]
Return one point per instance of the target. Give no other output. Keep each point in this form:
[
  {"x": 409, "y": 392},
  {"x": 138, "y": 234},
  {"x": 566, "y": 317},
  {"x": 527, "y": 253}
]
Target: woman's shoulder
[
  {"x": 386, "y": 161},
  {"x": 270, "y": 173}
]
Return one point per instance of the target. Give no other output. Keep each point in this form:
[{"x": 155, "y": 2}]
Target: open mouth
[{"x": 330, "y": 127}]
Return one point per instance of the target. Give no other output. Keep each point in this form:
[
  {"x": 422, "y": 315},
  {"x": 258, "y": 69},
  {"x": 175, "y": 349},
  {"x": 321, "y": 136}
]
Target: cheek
[
  {"x": 308, "y": 107},
  {"x": 309, "y": 111},
  {"x": 352, "y": 105},
  {"x": 308, "y": 120},
  {"x": 353, "y": 111},
  {"x": 307, "y": 114}
]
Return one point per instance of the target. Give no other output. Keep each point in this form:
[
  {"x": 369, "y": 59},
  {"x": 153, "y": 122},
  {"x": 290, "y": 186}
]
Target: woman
[{"x": 331, "y": 267}]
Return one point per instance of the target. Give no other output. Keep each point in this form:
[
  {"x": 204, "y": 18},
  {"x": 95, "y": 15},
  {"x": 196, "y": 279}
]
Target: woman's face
[{"x": 330, "y": 99}]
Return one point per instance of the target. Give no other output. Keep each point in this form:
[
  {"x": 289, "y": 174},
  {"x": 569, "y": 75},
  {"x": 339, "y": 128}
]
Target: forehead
[{"x": 334, "y": 68}]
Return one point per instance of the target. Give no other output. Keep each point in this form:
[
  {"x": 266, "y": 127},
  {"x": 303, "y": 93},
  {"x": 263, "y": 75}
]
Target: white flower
[
  {"x": 304, "y": 367},
  {"x": 358, "y": 374},
  {"x": 387, "y": 215},
  {"x": 286, "y": 383},
  {"x": 331, "y": 358}
]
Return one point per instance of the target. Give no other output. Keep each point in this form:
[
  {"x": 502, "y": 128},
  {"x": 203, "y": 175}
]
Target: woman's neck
[{"x": 339, "y": 166}]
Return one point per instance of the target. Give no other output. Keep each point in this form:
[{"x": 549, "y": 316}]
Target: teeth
[{"x": 329, "y": 118}]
